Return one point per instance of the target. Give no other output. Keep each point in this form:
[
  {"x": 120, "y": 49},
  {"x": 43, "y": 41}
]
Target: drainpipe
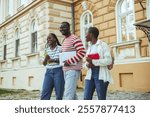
[{"x": 73, "y": 21}]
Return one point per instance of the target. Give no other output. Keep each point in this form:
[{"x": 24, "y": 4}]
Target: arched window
[
  {"x": 86, "y": 20},
  {"x": 33, "y": 36},
  {"x": 125, "y": 18},
  {"x": 148, "y": 9},
  {"x": 17, "y": 43}
]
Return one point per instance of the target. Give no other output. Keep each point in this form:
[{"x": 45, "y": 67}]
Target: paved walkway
[{"x": 35, "y": 95}]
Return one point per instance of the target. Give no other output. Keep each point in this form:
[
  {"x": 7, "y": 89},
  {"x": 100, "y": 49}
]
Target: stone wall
[
  {"x": 128, "y": 71},
  {"x": 25, "y": 71}
]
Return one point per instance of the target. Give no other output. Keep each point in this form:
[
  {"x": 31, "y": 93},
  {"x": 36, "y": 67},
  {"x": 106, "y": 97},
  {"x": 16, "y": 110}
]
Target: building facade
[
  {"x": 25, "y": 24},
  {"x": 23, "y": 31}
]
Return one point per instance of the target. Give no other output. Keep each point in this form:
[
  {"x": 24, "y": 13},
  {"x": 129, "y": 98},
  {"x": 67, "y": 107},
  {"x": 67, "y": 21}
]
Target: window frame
[
  {"x": 83, "y": 26},
  {"x": 22, "y": 2},
  {"x": 17, "y": 43},
  {"x": 34, "y": 46},
  {"x": 118, "y": 22},
  {"x": 9, "y": 8},
  {"x": 4, "y": 47}
]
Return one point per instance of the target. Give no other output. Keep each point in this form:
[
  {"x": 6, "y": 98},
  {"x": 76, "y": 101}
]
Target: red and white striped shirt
[{"x": 73, "y": 43}]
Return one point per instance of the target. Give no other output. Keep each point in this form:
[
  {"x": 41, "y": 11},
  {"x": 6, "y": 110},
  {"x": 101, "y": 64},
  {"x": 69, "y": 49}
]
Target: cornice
[
  {"x": 22, "y": 11},
  {"x": 32, "y": 5}
]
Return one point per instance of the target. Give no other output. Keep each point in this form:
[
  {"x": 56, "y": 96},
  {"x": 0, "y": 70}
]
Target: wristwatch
[{"x": 55, "y": 60}]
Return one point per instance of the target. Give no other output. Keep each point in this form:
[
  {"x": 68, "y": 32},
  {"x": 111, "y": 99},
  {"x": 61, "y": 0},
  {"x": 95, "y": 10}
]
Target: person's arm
[
  {"x": 79, "y": 55},
  {"x": 46, "y": 59}
]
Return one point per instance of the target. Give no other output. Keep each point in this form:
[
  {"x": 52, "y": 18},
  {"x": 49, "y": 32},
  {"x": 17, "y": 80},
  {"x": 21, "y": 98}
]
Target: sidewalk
[{"x": 35, "y": 95}]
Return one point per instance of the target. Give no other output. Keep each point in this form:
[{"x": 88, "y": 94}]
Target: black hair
[
  {"x": 66, "y": 24},
  {"x": 54, "y": 36},
  {"x": 94, "y": 31}
]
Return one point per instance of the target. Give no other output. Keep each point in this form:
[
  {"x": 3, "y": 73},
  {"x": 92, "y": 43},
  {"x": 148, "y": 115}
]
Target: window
[
  {"x": 86, "y": 20},
  {"x": 22, "y": 2},
  {"x": 148, "y": 9},
  {"x": 4, "y": 48},
  {"x": 125, "y": 19},
  {"x": 9, "y": 8},
  {"x": 30, "y": 80},
  {"x": 1, "y": 80},
  {"x": 17, "y": 43},
  {"x": 10, "y": 11},
  {"x": 33, "y": 37},
  {"x": 13, "y": 81}
]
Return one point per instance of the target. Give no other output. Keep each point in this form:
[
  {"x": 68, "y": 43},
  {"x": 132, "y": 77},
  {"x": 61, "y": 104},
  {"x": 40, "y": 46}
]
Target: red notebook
[{"x": 94, "y": 56}]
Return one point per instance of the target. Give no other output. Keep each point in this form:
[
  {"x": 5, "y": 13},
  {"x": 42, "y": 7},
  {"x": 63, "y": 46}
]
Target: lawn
[{"x": 6, "y": 91}]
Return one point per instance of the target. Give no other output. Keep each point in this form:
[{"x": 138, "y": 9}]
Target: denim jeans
[
  {"x": 90, "y": 85},
  {"x": 54, "y": 78},
  {"x": 71, "y": 79}
]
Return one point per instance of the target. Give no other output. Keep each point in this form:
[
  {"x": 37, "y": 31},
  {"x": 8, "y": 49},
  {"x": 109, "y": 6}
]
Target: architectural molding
[
  {"x": 125, "y": 43},
  {"x": 90, "y": 6},
  {"x": 63, "y": 2},
  {"x": 133, "y": 60},
  {"x": 16, "y": 25},
  {"x": 3, "y": 31},
  {"x": 25, "y": 9},
  {"x": 135, "y": 43}
]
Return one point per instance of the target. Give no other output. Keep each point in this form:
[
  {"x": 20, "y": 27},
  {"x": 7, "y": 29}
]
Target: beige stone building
[{"x": 24, "y": 25}]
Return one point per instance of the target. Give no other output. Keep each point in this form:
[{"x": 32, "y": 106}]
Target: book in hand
[
  {"x": 65, "y": 56},
  {"x": 94, "y": 56}
]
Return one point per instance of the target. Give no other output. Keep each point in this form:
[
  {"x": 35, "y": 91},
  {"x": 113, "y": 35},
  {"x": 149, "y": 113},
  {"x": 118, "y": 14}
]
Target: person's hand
[
  {"x": 110, "y": 66},
  {"x": 90, "y": 65},
  {"x": 65, "y": 63},
  {"x": 47, "y": 57},
  {"x": 50, "y": 60},
  {"x": 89, "y": 60}
]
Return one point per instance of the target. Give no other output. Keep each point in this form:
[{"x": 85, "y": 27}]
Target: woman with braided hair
[{"x": 54, "y": 77}]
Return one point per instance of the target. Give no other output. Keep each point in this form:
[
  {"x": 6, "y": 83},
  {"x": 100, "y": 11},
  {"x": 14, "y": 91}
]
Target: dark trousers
[
  {"x": 100, "y": 85},
  {"x": 54, "y": 78}
]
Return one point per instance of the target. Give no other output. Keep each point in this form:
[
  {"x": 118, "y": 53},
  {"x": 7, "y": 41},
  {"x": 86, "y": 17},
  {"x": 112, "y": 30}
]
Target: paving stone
[{"x": 111, "y": 95}]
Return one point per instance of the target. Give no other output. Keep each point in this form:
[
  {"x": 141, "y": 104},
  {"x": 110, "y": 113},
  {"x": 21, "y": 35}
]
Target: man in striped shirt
[{"x": 72, "y": 66}]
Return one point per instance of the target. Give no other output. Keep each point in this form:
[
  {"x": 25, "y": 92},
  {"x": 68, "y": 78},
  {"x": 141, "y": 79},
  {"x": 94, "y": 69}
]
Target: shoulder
[
  {"x": 104, "y": 43},
  {"x": 74, "y": 37}
]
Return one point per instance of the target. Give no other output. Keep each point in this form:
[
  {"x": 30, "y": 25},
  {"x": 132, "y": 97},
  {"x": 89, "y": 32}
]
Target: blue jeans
[
  {"x": 71, "y": 79},
  {"x": 90, "y": 85},
  {"x": 54, "y": 78}
]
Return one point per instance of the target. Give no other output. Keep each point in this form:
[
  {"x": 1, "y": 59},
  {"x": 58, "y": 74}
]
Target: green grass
[{"x": 6, "y": 91}]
